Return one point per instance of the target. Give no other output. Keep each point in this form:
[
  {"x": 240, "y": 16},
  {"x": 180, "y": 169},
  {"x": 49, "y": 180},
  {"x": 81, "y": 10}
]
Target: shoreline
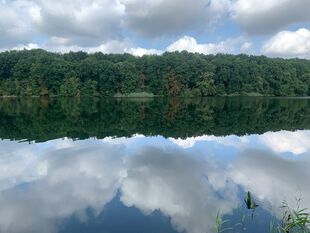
[{"x": 150, "y": 97}]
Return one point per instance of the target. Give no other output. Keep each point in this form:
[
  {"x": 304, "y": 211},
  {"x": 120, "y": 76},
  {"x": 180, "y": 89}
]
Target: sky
[{"x": 275, "y": 28}]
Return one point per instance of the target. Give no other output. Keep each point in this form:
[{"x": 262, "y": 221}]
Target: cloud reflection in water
[{"x": 187, "y": 180}]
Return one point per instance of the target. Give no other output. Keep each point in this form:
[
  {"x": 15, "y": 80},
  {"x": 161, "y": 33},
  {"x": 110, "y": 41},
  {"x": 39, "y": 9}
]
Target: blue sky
[{"x": 276, "y": 28}]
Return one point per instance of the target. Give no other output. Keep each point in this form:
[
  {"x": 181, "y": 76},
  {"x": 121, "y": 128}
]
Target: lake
[{"x": 222, "y": 164}]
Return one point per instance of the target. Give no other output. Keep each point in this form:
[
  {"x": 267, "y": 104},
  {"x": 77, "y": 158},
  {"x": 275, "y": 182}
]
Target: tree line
[{"x": 41, "y": 73}]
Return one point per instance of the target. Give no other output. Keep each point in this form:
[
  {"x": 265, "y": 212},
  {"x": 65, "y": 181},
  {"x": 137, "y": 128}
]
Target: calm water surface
[{"x": 107, "y": 165}]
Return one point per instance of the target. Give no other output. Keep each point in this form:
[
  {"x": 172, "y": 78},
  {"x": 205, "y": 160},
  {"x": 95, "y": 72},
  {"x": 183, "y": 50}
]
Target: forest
[{"x": 41, "y": 73}]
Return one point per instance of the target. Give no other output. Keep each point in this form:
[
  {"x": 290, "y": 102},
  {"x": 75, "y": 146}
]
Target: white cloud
[
  {"x": 142, "y": 51},
  {"x": 88, "y": 174},
  {"x": 80, "y": 22},
  {"x": 272, "y": 178},
  {"x": 195, "y": 179},
  {"x": 96, "y": 25},
  {"x": 159, "y": 18},
  {"x": 191, "y": 45},
  {"x": 230, "y": 140},
  {"x": 95, "y": 22},
  {"x": 15, "y": 161},
  {"x": 54, "y": 191},
  {"x": 63, "y": 45},
  {"x": 246, "y": 47},
  {"x": 28, "y": 46},
  {"x": 59, "y": 44},
  {"x": 289, "y": 44},
  {"x": 112, "y": 46},
  {"x": 13, "y": 29},
  {"x": 297, "y": 142},
  {"x": 262, "y": 164},
  {"x": 268, "y": 16},
  {"x": 154, "y": 173}
]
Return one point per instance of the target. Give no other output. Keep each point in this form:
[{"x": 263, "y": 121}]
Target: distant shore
[{"x": 133, "y": 96}]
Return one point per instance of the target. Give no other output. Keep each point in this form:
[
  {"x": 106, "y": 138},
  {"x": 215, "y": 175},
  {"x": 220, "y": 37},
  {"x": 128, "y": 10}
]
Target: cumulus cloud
[
  {"x": 108, "y": 25},
  {"x": 58, "y": 44},
  {"x": 159, "y": 18},
  {"x": 272, "y": 178},
  {"x": 28, "y": 46},
  {"x": 268, "y": 16},
  {"x": 111, "y": 46},
  {"x": 263, "y": 164},
  {"x": 188, "y": 181},
  {"x": 13, "y": 29},
  {"x": 175, "y": 183},
  {"x": 14, "y": 159},
  {"x": 59, "y": 183},
  {"x": 142, "y": 51},
  {"x": 191, "y": 45},
  {"x": 88, "y": 174},
  {"x": 289, "y": 44},
  {"x": 125, "y": 46},
  {"x": 92, "y": 23},
  {"x": 80, "y": 22},
  {"x": 297, "y": 142},
  {"x": 231, "y": 140},
  {"x": 246, "y": 47}
]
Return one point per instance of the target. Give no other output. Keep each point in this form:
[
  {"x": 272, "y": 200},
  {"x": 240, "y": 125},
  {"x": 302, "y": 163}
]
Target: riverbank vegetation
[
  {"x": 291, "y": 220},
  {"x": 41, "y": 73}
]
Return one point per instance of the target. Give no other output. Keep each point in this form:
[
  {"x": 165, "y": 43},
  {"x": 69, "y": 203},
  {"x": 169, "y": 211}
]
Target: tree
[
  {"x": 89, "y": 88},
  {"x": 71, "y": 86},
  {"x": 205, "y": 85},
  {"x": 174, "y": 86},
  {"x": 142, "y": 79},
  {"x": 37, "y": 72},
  {"x": 35, "y": 79}
]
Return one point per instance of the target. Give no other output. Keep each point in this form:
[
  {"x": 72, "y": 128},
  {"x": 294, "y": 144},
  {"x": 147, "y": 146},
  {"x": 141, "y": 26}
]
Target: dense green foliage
[
  {"x": 49, "y": 118},
  {"x": 37, "y": 72}
]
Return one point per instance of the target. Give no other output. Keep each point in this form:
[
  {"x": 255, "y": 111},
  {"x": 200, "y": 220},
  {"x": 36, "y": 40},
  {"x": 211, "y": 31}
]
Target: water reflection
[
  {"x": 43, "y": 120},
  {"x": 186, "y": 180}
]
